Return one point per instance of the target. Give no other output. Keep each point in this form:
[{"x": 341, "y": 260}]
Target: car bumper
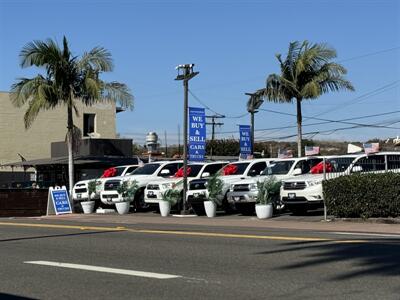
[
  {"x": 152, "y": 196},
  {"x": 110, "y": 197},
  {"x": 242, "y": 197},
  {"x": 308, "y": 195}
]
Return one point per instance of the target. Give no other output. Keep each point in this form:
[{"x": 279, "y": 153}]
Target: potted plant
[
  {"x": 169, "y": 198},
  {"x": 88, "y": 204},
  {"x": 268, "y": 191},
  {"x": 127, "y": 190},
  {"x": 214, "y": 187}
]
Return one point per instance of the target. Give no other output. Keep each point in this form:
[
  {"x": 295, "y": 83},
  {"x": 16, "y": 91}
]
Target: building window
[{"x": 89, "y": 124}]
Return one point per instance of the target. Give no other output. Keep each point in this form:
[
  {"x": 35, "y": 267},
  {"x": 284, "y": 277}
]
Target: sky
[{"x": 233, "y": 46}]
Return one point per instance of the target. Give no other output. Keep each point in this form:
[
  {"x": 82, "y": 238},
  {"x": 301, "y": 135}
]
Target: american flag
[
  {"x": 371, "y": 148},
  {"x": 285, "y": 153},
  {"x": 311, "y": 150}
]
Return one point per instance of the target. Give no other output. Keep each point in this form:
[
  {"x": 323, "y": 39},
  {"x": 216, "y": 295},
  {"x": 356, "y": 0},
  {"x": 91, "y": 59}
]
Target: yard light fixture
[{"x": 185, "y": 73}]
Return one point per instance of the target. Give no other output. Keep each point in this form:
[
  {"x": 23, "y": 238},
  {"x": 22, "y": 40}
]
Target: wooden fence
[{"x": 23, "y": 202}]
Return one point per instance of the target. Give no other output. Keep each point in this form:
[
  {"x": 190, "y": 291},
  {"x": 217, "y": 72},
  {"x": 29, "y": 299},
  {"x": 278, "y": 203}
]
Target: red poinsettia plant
[{"x": 110, "y": 172}]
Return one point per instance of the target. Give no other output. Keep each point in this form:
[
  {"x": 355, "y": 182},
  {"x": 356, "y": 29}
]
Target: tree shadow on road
[{"x": 372, "y": 257}]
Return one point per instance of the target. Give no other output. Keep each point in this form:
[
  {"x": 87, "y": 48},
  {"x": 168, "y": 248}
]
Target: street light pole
[
  {"x": 253, "y": 104},
  {"x": 185, "y": 73}
]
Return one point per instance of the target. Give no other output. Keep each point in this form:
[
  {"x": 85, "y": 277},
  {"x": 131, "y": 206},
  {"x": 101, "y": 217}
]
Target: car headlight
[
  {"x": 231, "y": 187},
  {"x": 166, "y": 186},
  {"x": 253, "y": 187},
  {"x": 314, "y": 182}
]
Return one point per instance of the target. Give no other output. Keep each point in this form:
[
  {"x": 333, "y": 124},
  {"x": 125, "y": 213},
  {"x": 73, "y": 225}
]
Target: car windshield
[
  {"x": 119, "y": 171},
  {"x": 147, "y": 169},
  {"x": 340, "y": 164},
  {"x": 235, "y": 169},
  {"x": 278, "y": 168}
]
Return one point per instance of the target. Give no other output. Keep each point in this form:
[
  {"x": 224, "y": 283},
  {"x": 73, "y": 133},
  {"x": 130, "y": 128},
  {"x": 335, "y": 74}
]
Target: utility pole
[
  {"x": 213, "y": 124},
  {"x": 166, "y": 145},
  {"x": 185, "y": 73},
  {"x": 179, "y": 140}
]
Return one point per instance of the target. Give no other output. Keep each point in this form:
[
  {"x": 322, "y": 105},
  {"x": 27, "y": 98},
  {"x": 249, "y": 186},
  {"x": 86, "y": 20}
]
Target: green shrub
[{"x": 363, "y": 195}]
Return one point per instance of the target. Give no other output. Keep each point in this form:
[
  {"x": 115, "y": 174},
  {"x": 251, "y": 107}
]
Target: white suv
[
  {"x": 233, "y": 172},
  {"x": 148, "y": 173},
  {"x": 155, "y": 189},
  {"x": 243, "y": 194},
  {"x": 305, "y": 191},
  {"x": 80, "y": 190}
]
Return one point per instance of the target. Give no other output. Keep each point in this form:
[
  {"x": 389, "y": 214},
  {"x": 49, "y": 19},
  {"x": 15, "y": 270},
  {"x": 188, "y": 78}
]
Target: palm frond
[
  {"x": 40, "y": 53},
  {"x": 98, "y": 59},
  {"x": 119, "y": 93}
]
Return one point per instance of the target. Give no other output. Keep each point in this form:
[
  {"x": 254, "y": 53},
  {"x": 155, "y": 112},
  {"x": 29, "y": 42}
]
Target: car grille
[
  {"x": 109, "y": 196},
  {"x": 241, "y": 188},
  {"x": 81, "y": 190},
  {"x": 297, "y": 185},
  {"x": 153, "y": 187},
  {"x": 197, "y": 186},
  {"x": 111, "y": 185}
]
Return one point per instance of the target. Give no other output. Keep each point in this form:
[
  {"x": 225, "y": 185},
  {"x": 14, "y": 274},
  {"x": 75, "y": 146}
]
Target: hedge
[{"x": 363, "y": 195}]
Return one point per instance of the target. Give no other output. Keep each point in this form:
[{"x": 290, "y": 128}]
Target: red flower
[
  {"x": 110, "y": 172},
  {"x": 229, "y": 170},
  {"x": 179, "y": 173},
  {"x": 319, "y": 168}
]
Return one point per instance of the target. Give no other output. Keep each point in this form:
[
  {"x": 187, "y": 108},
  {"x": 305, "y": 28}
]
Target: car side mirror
[
  {"x": 297, "y": 172},
  {"x": 205, "y": 174},
  {"x": 356, "y": 169},
  {"x": 253, "y": 173},
  {"x": 165, "y": 172}
]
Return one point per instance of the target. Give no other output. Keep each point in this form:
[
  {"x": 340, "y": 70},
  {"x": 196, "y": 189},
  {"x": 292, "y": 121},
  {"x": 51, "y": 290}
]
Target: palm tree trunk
[
  {"x": 70, "y": 151},
  {"x": 299, "y": 121}
]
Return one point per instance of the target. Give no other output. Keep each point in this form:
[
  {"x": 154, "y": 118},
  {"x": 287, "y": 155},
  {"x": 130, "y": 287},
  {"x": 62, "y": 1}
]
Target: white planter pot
[
  {"x": 87, "y": 207},
  {"x": 165, "y": 208},
  {"x": 211, "y": 209},
  {"x": 122, "y": 207},
  {"x": 264, "y": 211}
]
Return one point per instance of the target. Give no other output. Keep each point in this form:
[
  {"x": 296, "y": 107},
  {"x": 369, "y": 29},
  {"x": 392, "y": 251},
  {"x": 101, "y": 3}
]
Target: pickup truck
[
  {"x": 233, "y": 172},
  {"x": 243, "y": 194},
  {"x": 80, "y": 190},
  {"x": 144, "y": 175},
  {"x": 155, "y": 189}
]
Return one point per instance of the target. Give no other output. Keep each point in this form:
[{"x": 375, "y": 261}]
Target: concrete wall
[{"x": 49, "y": 126}]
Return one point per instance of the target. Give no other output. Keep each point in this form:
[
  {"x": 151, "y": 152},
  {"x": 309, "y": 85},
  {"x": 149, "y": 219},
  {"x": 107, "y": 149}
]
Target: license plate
[
  {"x": 150, "y": 193},
  {"x": 79, "y": 196},
  {"x": 196, "y": 195},
  {"x": 237, "y": 198},
  {"x": 291, "y": 195}
]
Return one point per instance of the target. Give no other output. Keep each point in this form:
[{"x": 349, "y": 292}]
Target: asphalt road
[{"x": 201, "y": 262}]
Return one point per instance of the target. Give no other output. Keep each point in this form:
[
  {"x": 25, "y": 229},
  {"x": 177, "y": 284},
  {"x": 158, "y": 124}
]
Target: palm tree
[
  {"x": 306, "y": 73},
  {"x": 67, "y": 79}
]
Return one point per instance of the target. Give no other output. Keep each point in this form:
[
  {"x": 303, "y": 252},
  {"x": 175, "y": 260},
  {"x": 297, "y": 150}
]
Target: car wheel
[{"x": 138, "y": 202}]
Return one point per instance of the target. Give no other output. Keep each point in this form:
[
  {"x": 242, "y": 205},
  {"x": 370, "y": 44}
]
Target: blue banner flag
[
  {"x": 197, "y": 134},
  {"x": 245, "y": 141}
]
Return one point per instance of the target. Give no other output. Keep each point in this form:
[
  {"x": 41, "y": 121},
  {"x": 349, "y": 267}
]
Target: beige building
[{"x": 49, "y": 126}]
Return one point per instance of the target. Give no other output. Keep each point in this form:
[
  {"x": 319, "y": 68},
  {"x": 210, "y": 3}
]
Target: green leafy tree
[
  {"x": 307, "y": 72},
  {"x": 66, "y": 80}
]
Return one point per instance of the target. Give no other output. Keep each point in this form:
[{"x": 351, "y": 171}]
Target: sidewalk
[{"x": 232, "y": 221}]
